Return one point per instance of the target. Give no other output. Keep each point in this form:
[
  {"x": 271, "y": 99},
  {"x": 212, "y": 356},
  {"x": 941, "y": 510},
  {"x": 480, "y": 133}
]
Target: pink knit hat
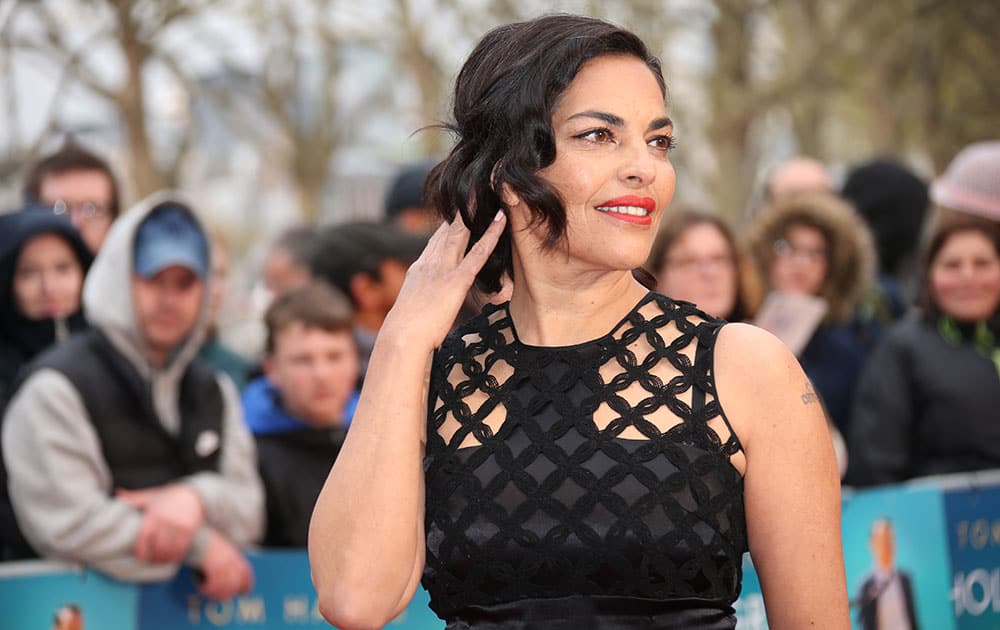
[{"x": 972, "y": 181}]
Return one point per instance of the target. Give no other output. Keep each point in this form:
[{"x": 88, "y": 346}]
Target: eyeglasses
[
  {"x": 690, "y": 265},
  {"x": 88, "y": 210},
  {"x": 812, "y": 255}
]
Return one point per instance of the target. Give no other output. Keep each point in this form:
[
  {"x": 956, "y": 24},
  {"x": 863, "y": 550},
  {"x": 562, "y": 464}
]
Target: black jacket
[
  {"x": 924, "y": 406},
  {"x": 294, "y": 465}
]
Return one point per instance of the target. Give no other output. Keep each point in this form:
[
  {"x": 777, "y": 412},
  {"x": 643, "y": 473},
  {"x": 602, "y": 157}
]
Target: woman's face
[
  {"x": 799, "y": 261},
  {"x": 700, "y": 267},
  {"x": 48, "y": 278},
  {"x": 965, "y": 277},
  {"x": 612, "y": 167}
]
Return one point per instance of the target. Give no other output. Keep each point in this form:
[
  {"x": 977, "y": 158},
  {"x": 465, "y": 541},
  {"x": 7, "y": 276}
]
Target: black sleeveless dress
[{"x": 586, "y": 486}]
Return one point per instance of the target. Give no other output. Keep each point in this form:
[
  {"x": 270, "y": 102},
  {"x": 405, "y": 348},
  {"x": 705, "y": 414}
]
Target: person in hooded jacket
[
  {"x": 816, "y": 244},
  {"x": 43, "y": 260},
  {"x": 122, "y": 450}
]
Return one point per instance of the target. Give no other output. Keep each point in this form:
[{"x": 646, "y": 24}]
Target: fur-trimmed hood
[{"x": 852, "y": 255}]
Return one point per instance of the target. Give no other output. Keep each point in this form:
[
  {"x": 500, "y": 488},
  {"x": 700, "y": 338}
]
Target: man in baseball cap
[{"x": 125, "y": 432}]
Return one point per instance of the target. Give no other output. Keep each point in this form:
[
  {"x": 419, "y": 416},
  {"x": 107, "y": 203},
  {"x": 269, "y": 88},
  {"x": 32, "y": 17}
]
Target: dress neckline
[{"x": 576, "y": 346}]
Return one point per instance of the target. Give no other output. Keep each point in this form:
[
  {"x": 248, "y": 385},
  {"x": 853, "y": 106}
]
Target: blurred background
[{"x": 272, "y": 113}]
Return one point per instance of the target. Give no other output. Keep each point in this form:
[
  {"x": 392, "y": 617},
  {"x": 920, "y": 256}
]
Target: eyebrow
[{"x": 618, "y": 121}]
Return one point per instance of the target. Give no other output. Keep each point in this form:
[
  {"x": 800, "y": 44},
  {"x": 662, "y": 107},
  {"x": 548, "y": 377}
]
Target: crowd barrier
[{"x": 946, "y": 534}]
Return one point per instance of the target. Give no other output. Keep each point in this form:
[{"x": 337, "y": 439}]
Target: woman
[
  {"x": 815, "y": 244},
  {"x": 928, "y": 397},
  {"x": 695, "y": 258},
  {"x": 552, "y": 472},
  {"x": 42, "y": 263}
]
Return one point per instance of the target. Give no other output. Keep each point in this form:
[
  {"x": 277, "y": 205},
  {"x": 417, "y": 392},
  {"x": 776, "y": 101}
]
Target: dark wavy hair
[{"x": 504, "y": 98}]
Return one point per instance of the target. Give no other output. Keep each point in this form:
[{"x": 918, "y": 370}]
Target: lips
[{"x": 630, "y": 208}]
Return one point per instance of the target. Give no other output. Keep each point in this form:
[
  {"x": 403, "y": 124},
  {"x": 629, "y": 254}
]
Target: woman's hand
[{"x": 437, "y": 283}]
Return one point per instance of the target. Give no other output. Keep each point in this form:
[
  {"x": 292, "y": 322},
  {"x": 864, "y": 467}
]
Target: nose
[
  {"x": 638, "y": 167},
  {"x": 320, "y": 369},
  {"x": 47, "y": 282},
  {"x": 167, "y": 297},
  {"x": 968, "y": 272},
  {"x": 77, "y": 219}
]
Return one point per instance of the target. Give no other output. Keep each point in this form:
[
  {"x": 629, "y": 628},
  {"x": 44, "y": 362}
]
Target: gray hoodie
[{"x": 59, "y": 483}]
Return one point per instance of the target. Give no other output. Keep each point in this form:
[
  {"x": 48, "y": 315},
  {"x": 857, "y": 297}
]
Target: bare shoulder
[
  {"x": 791, "y": 487},
  {"x": 760, "y": 383},
  {"x": 751, "y": 361}
]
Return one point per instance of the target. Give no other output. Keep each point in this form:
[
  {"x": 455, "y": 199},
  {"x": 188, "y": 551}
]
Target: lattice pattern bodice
[{"x": 600, "y": 469}]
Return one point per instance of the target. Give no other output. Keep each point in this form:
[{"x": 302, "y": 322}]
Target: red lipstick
[
  {"x": 630, "y": 208},
  {"x": 646, "y": 203}
]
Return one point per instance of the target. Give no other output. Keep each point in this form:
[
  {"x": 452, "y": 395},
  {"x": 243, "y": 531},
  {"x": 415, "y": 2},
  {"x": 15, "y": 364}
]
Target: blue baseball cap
[{"x": 170, "y": 236}]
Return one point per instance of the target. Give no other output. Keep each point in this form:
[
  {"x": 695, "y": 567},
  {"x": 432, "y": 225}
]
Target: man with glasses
[{"x": 76, "y": 183}]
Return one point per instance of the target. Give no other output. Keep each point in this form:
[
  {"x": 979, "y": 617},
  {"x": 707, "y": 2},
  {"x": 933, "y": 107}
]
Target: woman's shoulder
[
  {"x": 759, "y": 381},
  {"x": 751, "y": 364},
  {"x": 751, "y": 347}
]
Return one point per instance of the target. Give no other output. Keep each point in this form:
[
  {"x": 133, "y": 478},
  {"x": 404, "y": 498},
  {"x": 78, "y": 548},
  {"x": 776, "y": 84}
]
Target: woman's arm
[
  {"x": 366, "y": 540},
  {"x": 791, "y": 485}
]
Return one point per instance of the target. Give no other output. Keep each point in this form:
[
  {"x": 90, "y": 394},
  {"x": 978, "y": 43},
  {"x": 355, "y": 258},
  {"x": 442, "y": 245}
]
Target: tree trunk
[
  {"x": 146, "y": 177},
  {"x": 732, "y": 180}
]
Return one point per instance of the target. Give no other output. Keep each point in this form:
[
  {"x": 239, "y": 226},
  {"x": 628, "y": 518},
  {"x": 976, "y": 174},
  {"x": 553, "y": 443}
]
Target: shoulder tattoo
[{"x": 809, "y": 396}]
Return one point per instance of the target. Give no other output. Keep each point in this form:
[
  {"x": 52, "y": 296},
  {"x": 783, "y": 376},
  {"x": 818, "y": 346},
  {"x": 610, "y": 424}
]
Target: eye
[
  {"x": 600, "y": 135},
  {"x": 663, "y": 143}
]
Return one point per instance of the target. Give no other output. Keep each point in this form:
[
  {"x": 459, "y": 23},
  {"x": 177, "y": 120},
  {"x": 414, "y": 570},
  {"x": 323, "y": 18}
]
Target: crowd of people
[{"x": 135, "y": 441}]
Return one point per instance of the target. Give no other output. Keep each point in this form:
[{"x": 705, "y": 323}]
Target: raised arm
[
  {"x": 791, "y": 485},
  {"x": 366, "y": 540}
]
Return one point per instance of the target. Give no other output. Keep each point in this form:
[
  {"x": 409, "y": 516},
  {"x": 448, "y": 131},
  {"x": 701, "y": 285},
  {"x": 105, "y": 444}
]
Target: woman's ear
[{"x": 507, "y": 195}]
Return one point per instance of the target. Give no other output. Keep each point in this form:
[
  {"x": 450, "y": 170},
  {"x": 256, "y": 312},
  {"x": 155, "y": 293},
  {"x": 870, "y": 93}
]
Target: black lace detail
[{"x": 596, "y": 469}]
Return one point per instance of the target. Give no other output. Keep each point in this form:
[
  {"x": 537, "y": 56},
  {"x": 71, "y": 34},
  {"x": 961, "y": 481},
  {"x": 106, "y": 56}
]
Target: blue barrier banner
[
  {"x": 34, "y": 593},
  {"x": 896, "y": 558},
  {"x": 974, "y": 541},
  {"x": 283, "y": 597}
]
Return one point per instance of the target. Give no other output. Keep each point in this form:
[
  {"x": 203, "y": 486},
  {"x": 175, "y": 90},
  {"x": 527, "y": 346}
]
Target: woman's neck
[{"x": 560, "y": 306}]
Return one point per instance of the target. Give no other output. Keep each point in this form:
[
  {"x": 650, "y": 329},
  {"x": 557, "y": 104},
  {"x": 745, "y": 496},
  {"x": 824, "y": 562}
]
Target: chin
[
  {"x": 324, "y": 415},
  {"x": 970, "y": 316},
  {"x": 166, "y": 342}
]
